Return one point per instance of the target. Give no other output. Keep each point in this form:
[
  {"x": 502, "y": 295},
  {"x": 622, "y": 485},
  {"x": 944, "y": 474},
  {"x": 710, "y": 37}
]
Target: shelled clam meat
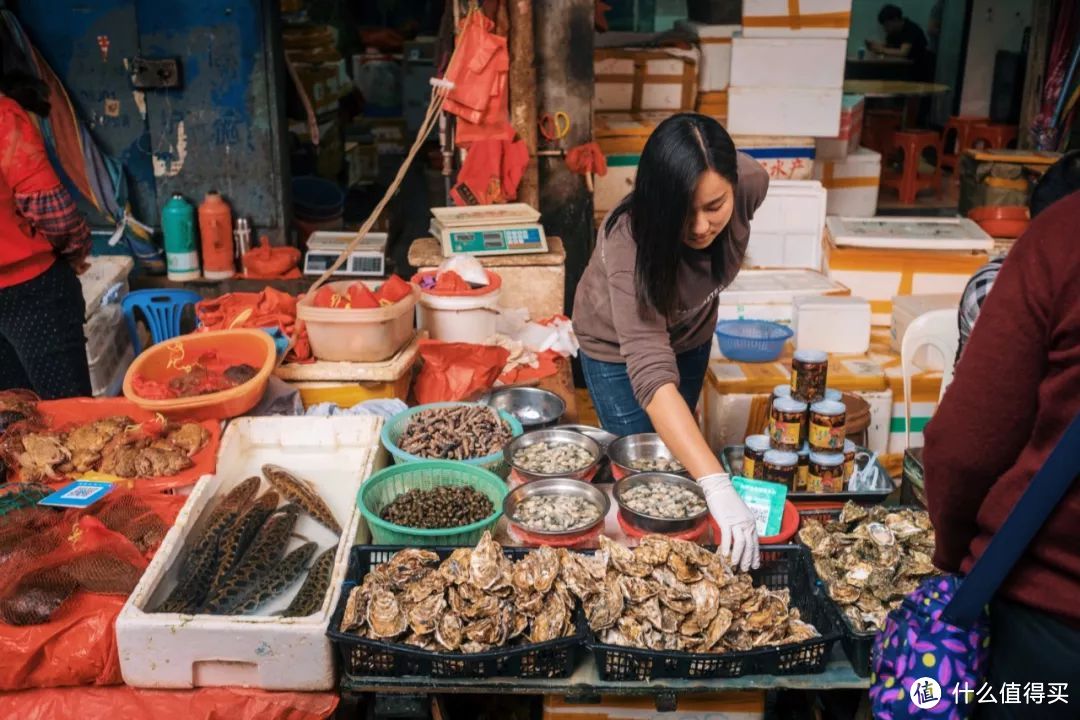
[
  {"x": 658, "y": 464},
  {"x": 870, "y": 559},
  {"x": 669, "y": 594},
  {"x": 663, "y": 500},
  {"x": 552, "y": 458},
  {"x": 556, "y": 513}
]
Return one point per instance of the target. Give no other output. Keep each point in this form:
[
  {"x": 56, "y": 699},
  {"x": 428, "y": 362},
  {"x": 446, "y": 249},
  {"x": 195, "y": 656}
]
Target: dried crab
[{"x": 870, "y": 559}]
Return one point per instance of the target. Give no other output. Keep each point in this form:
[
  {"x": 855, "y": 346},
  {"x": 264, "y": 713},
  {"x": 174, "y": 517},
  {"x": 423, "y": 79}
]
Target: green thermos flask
[{"x": 181, "y": 247}]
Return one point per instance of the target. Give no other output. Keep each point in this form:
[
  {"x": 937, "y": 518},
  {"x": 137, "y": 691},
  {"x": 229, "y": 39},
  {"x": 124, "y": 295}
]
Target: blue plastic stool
[{"x": 162, "y": 310}]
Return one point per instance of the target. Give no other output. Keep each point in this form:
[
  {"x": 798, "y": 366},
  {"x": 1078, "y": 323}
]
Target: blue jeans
[{"x": 613, "y": 397}]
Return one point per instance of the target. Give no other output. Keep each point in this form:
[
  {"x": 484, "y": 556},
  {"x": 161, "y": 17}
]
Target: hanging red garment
[
  {"x": 491, "y": 173},
  {"x": 480, "y": 72}
]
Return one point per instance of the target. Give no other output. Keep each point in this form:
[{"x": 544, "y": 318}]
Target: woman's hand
[{"x": 738, "y": 529}]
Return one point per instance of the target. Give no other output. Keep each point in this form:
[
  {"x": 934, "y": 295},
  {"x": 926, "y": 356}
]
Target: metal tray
[{"x": 732, "y": 457}]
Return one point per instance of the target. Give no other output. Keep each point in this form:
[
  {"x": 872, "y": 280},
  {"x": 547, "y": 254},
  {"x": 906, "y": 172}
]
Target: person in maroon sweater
[{"x": 1016, "y": 389}]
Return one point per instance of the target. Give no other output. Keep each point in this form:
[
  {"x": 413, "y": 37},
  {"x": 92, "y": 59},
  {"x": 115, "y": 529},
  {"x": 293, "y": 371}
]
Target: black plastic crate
[
  {"x": 782, "y": 566},
  {"x": 367, "y": 657}
]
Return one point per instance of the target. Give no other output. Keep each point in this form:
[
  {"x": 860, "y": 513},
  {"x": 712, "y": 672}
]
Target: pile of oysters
[{"x": 870, "y": 558}]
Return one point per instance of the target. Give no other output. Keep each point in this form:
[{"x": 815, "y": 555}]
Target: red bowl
[
  {"x": 699, "y": 534},
  {"x": 573, "y": 541},
  {"x": 789, "y": 525},
  {"x": 1002, "y": 221}
]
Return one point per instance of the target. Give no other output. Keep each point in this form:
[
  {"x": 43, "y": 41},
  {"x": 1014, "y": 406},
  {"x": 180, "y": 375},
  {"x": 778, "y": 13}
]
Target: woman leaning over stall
[{"x": 646, "y": 305}]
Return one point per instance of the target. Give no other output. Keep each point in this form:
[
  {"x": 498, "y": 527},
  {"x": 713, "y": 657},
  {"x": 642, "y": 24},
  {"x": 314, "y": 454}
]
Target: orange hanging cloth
[
  {"x": 491, "y": 173},
  {"x": 586, "y": 159},
  {"x": 480, "y": 71}
]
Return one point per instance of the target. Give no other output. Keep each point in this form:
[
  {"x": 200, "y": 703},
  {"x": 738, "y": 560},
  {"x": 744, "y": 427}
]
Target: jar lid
[
  {"x": 849, "y": 447},
  {"x": 827, "y": 459},
  {"x": 811, "y": 356},
  {"x": 804, "y": 453},
  {"x": 782, "y": 457},
  {"x": 828, "y": 407},
  {"x": 834, "y": 395},
  {"x": 757, "y": 442},
  {"x": 789, "y": 405},
  {"x": 782, "y": 391}
]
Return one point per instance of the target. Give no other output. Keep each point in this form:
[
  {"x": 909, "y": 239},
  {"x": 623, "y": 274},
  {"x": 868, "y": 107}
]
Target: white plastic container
[
  {"x": 787, "y": 230},
  {"x": 832, "y": 324},
  {"x": 784, "y": 111},
  {"x": 802, "y": 19},
  {"x": 852, "y": 183},
  {"x": 788, "y": 62},
  {"x": 108, "y": 349},
  {"x": 714, "y": 72},
  {"x": 771, "y": 294},
  {"x": 357, "y": 335},
  {"x": 461, "y": 318},
  {"x": 784, "y": 158},
  {"x": 905, "y": 308},
  {"x": 169, "y": 650}
]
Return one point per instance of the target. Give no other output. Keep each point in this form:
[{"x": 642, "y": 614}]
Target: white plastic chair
[{"x": 937, "y": 329}]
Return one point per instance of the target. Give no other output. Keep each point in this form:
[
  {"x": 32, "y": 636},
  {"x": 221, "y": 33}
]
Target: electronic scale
[
  {"x": 510, "y": 229},
  {"x": 368, "y": 259}
]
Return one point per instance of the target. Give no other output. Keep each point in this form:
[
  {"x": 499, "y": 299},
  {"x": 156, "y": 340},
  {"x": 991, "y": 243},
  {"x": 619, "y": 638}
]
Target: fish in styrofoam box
[
  {"x": 263, "y": 650},
  {"x": 802, "y": 19},
  {"x": 784, "y": 158}
]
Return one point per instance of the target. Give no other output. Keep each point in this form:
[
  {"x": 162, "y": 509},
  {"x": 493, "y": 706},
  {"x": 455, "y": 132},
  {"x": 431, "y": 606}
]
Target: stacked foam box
[
  {"x": 851, "y": 122},
  {"x": 852, "y": 183},
  {"x": 714, "y": 70}
]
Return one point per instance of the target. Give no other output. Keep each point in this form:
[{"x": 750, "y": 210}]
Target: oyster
[
  {"x": 355, "y": 615},
  {"x": 455, "y": 569},
  {"x": 648, "y": 611},
  {"x": 486, "y": 565},
  {"x": 432, "y": 583},
  {"x": 623, "y": 558},
  {"x": 858, "y": 574},
  {"x": 843, "y": 593},
  {"x": 916, "y": 564},
  {"x": 409, "y": 565},
  {"x": 448, "y": 631},
  {"x": 653, "y": 550},
  {"x": 551, "y": 622},
  {"x": 424, "y": 616},
  {"x": 852, "y": 513},
  {"x": 684, "y": 571},
  {"x": 706, "y": 597},
  {"x": 637, "y": 590},
  {"x": 605, "y": 607},
  {"x": 547, "y": 568},
  {"x": 384, "y": 615},
  {"x": 881, "y": 534}
]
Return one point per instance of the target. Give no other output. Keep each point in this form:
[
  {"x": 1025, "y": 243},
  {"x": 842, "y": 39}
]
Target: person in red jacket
[
  {"x": 44, "y": 241},
  {"x": 1016, "y": 389}
]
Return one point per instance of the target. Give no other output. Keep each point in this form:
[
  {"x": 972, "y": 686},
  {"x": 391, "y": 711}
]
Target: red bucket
[{"x": 789, "y": 525}]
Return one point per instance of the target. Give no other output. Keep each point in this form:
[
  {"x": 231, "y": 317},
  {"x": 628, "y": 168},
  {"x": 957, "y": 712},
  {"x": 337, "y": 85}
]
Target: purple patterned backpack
[{"x": 938, "y": 640}]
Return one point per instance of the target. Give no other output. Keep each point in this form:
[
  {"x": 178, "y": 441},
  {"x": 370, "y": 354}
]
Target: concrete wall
[{"x": 995, "y": 25}]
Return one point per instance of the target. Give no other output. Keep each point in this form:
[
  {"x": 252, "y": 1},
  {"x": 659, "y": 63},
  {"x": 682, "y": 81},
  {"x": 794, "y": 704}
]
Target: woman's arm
[{"x": 679, "y": 430}]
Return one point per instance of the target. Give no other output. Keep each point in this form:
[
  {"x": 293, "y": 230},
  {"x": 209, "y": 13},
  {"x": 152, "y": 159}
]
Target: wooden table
[{"x": 910, "y": 92}]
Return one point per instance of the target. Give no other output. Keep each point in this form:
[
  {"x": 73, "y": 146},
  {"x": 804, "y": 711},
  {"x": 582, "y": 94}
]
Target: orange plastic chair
[
  {"x": 909, "y": 181},
  {"x": 879, "y": 126},
  {"x": 994, "y": 137},
  {"x": 959, "y": 127}
]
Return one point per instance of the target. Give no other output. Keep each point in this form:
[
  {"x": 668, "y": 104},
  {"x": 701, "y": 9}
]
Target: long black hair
[
  {"x": 680, "y": 149},
  {"x": 17, "y": 80}
]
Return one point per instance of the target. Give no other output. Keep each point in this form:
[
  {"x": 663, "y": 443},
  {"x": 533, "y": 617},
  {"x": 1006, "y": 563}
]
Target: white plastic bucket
[{"x": 468, "y": 318}]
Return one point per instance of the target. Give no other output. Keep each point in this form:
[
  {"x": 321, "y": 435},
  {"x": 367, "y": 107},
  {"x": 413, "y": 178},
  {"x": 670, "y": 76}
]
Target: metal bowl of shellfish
[
  {"x": 563, "y": 495},
  {"x": 532, "y": 407},
  {"x": 678, "y": 486},
  {"x": 644, "y": 452},
  {"x": 601, "y": 437},
  {"x": 554, "y": 453}
]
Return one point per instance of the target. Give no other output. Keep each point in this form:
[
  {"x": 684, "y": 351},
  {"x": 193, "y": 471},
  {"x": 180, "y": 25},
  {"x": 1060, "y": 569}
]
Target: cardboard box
[
  {"x": 784, "y": 158},
  {"x": 714, "y": 42},
  {"x": 784, "y": 111},
  {"x": 850, "y": 136},
  {"x": 714, "y": 104},
  {"x": 621, "y": 137},
  {"x": 632, "y": 79},
  {"x": 796, "y": 18},
  {"x": 788, "y": 228},
  {"x": 788, "y": 62},
  {"x": 852, "y": 183}
]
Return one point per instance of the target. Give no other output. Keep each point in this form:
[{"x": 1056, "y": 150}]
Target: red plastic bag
[
  {"x": 394, "y": 290},
  {"x": 457, "y": 371},
  {"x": 361, "y": 298},
  {"x": 267, "y": 309},
  {"x": 201, "y": 704}
]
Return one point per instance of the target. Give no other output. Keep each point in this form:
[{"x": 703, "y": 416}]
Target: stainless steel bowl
[
  {"x": 534, "y": 408},
  {"x": 557, "y": 486},
  {"x": 653, "y": 523},
  {"x": 602, "y": 437},
  {"x": 630, "y": 448},
  {"x": 554, "y": 435}
]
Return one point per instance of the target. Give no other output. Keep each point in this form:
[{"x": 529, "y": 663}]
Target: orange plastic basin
[
  {"x": 789, "y": 525},
  {"x": 253, "y": 347},
  {"x": 1002, "y": 221}
]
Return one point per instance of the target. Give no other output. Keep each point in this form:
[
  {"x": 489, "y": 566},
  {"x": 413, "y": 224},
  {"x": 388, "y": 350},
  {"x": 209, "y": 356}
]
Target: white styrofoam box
[
  {"x": 852, "y": 183},
  {"x": 105, "y": 282},
  {"x": 667, "y": 79},
  {"x": 714, "y": 72},
  {"x": 784, "y": 158},
  {"x": 850, "y": 136},
  {"x": 906, "y": 308},
  {"x": 811, "y": 18},
  {"x": 909, "y": 233},
  {"x": 787, "y": 229},
  {"x": 169, "y": 650},
  {"x": 770, "y": 294},
  {"x": 788, "y": 62},
  {"x": 784, "y": 111},
  {"x": 832, "y": 324},
  {"x": 611, "y": 188},
  {"x": 108, "y": 347}
]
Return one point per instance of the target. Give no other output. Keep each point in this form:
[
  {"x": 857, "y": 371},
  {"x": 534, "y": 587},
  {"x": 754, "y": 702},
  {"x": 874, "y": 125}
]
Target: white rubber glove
[{"x": 738, "y": 529}]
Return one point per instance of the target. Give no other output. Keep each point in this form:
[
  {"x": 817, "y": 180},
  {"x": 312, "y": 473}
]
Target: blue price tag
[{"x": 79, "y": 494}]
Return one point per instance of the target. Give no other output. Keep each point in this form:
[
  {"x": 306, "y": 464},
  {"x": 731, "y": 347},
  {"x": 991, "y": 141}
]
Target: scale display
[{"x": 497, "y": 241}]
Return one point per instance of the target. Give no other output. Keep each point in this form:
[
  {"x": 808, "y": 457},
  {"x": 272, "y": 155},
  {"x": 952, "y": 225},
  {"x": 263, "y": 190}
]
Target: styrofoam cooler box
[
  {"x": 784, "y": 158},
  {"x": 850, "y": 136},
  {"x": 632, "y": 79},
  {"x": 787, "y": 230},
  {"x": 714, "y": 72},
  {"x": 108, "y": 349},
  {"x": 832, "y": 324},
  {"x": 784, "y": 111},
  {"x": 803, "y": 18},
  {"x": 906, "y": 308},
  {"x": 788, "y": 62},
  {"x": 852, "y": 183},
  {"x": 621, "y": 137},
  {"x": 771, "y": 294},
  {"x": 169, "y": 650}
]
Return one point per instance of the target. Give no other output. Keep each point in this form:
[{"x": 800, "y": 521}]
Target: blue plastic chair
[{"x": 162, "y": 310}]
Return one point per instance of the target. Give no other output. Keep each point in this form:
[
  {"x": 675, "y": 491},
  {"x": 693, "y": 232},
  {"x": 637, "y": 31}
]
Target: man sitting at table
[{"x": 904, "y": 39}]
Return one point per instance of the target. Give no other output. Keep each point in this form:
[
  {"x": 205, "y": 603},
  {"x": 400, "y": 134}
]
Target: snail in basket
[{"x": 446, "y": 506}]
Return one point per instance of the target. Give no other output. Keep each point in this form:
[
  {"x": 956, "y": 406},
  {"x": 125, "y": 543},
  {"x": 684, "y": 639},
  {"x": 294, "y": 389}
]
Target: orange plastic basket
[{"x": 158, "y": 363}]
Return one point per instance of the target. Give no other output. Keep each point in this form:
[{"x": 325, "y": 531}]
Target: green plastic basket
[
  {"x": 395, "y": 427},
  {"x": 382, "y": 487}
]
